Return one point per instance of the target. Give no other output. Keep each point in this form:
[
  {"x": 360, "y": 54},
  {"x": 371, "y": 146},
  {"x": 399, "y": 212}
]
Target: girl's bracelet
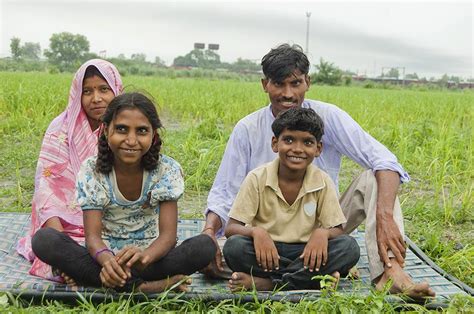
[{"x": 106, "y": 249}]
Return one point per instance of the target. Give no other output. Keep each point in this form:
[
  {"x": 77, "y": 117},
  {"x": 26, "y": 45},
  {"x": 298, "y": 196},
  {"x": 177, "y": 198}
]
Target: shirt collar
[{"x": 313, "y": 178}]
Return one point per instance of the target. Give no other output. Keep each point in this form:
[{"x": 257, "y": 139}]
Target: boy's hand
[
  {"x": 112, "y": 274},
  {"x": 132, "y": 256},
  {"x": 315, "y": 252},
  {"x": 265, "y": 250}
]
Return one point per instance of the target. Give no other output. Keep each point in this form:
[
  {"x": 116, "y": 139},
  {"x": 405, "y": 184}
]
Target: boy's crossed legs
[{"x": 239, "y": 253}]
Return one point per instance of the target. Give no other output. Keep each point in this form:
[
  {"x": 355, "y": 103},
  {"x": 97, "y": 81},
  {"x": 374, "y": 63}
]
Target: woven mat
[{"x": 14, "y": 275}]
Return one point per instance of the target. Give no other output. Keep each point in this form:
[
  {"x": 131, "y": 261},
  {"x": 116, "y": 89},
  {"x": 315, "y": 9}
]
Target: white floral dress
[{"x": 129, "y": 222}]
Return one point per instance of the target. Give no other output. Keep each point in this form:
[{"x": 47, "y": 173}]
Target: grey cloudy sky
[{"x": 427, "y": 37}]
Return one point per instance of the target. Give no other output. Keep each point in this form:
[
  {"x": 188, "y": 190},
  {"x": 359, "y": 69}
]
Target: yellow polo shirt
[{"x": 260, "y": 202}]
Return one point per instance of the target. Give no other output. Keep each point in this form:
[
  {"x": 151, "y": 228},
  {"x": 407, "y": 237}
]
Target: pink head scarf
[{"x": 68, "y": 141}]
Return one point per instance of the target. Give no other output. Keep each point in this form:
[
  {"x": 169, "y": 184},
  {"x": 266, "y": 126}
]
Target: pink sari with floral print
[{"x": 68, "y": 141}]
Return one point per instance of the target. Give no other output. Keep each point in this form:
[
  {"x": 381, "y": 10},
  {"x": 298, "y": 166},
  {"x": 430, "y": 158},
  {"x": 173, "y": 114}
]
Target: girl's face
[
  {"x": 130, "y": 136},
  {"x": 96, "y": 96}
]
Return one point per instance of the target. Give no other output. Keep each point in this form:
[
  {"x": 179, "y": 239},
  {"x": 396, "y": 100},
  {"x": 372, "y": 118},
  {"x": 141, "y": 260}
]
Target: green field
[{"x": 431, "y": 132}]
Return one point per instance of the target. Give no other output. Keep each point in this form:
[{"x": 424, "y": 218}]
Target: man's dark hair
[
  {"x": 283, "y": 60},
  {"x": 105, "y": 157},
  {"x": 299, "y": 119}
]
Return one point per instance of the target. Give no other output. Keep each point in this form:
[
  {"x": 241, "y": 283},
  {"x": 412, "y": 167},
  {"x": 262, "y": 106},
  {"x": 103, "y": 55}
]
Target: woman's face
[{"x": 96, "y": 96}]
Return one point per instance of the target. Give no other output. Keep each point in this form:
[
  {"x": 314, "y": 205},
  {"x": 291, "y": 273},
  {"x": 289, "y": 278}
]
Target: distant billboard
[
  {"x": 213, "y": 46},
  {"x": 199, "y": 45}
]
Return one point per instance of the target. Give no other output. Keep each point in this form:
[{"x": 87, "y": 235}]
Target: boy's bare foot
[
  {"x": 242, "y": 281},
  {"x": 163, "y": 284},
  {"x": 354, "y": 273},
  {"x": 337, "y": 277},
  {"x": 402, "y": 283}
]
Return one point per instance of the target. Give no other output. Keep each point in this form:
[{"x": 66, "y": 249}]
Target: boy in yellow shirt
[{"x": 285, "y": 223}]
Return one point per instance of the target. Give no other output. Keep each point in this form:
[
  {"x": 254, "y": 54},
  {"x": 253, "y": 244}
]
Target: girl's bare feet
[
  {"x": 69, "y": 281},
  {"x": 242, "y": 281},
  {"x": 179, "y": 283},
  {"x": 402, "y": 283}
]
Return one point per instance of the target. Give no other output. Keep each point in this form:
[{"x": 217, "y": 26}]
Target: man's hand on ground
[
  {"x": 215, "y": 268},
  {"x": 389, "y": 238}
]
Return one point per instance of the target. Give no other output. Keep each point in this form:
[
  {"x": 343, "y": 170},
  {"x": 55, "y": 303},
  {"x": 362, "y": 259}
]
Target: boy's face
[
  {"x": 286, "y": 94},
  {"x": 296, "y": 149}
]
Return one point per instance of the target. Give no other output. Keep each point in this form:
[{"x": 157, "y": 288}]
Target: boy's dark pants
[
  {"x": 61, "y": 252},
  {"x": 343, "y": 253}
]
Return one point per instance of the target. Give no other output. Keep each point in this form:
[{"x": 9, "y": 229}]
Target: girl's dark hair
[
  {"x": 283, "y": 60},
  {"x": 93, "y": 71},
  {"x": 299, "y": 119},
  {"x": 105, "y": 157}
]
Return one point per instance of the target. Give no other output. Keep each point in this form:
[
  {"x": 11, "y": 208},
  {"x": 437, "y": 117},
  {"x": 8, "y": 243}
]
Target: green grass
[{"x": 430, "y": 132}]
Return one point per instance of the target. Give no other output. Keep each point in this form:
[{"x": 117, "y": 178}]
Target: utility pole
[{"x": 308, "y": 16}]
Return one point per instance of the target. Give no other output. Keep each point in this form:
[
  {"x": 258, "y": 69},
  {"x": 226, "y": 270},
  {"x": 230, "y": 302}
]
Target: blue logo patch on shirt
[{"x": 309, "y": 208}]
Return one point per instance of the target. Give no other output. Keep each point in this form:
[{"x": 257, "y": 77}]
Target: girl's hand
[
  {"x": 315, "y": 252},
  {"x": 265, "y": 249},
  {"x": 112, "y": 274},
  {"x": 132, "y": 256}
]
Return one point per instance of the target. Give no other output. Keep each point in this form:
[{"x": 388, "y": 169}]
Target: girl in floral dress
[{"x": 128, "y": 194}]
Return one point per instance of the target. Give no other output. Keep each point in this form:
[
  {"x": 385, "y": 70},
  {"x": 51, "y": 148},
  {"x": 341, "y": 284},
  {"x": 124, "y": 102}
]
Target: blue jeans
[{"x": 343, "y": 253}]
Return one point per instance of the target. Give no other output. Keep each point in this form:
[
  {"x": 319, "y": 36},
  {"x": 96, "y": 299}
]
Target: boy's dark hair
[
  {"x": 93, "y": 71},
  {"x": 283, "y": 60},
  {"x": 105, "y": 157},
  {"x": 299, "y": 119}
]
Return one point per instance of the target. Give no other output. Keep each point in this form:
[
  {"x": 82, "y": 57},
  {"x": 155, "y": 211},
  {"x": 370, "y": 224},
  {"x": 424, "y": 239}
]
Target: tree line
[{"x": 67, "y": 51}]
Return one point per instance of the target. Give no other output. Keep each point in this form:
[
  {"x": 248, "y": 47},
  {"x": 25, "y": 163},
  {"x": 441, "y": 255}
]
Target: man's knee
[{"x": 367, "y": 177}]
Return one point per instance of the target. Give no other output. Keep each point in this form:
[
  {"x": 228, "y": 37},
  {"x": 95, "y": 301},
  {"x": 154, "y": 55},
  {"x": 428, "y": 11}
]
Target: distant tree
[
  {"x": 66, "y": 50},
  {"x": 327, "y": 73},
  {"x": 413, "y": 76},
  {"x": 348, "y": 73},
  {"x": 121, "y": 57},
  {"x": 393, "y": 73},
  {"x": 15, "y": 48},
  {"x": 444, "y": 79},
  {"x": 455, "y": 79},
  {"x": 242, "y": 65},
  {"x": 139, "y": 57},
  {"x": 31, "y": 51},
  {"x": 198, "y": 58},
  {"x": 211, "y": 59},
  {"x": 159, "y": 62}
]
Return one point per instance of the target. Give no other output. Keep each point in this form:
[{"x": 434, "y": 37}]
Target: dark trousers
[
  {"x": 61, "y": 252},
  {"x": 343, "y": 253}
]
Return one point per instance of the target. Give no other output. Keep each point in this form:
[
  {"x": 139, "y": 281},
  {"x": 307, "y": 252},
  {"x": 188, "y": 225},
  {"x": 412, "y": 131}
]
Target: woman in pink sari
[{"x": 69, "y": 140}]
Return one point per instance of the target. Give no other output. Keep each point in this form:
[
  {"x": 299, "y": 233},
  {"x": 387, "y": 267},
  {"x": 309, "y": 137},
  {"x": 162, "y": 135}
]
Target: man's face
[{"x": 286, "y": 94}]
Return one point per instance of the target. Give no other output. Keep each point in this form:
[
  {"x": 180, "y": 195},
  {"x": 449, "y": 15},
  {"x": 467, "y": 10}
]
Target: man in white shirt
[{"x": 372, "y": 196}]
